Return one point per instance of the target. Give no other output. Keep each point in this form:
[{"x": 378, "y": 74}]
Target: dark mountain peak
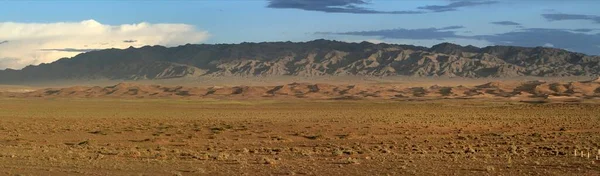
[
  {"x": 446, "y": 45},
  {"x": 366, "y": 43},
  {"x": 503, "y": 49},
  {"x": 472, "y": 48},
  {"x": 321, "y": 41},
  {"x": 451, "y": 48}
]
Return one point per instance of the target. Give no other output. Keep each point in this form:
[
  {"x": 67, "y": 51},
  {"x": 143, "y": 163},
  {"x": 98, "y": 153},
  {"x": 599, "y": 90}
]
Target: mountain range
[{"x": 313, "y": 58}]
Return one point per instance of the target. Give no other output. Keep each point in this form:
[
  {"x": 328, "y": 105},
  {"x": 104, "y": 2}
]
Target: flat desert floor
[{"x": 62, "y": 136}]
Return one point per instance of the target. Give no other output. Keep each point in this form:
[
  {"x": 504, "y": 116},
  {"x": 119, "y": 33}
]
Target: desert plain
[{"x": 531, "y": 128}]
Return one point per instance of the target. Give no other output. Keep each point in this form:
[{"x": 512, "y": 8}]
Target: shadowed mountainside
[{"x": 314, "y": 58}]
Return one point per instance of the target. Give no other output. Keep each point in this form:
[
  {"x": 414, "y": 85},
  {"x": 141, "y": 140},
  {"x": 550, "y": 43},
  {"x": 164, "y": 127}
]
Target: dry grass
[{"x": 166, "y": 137}]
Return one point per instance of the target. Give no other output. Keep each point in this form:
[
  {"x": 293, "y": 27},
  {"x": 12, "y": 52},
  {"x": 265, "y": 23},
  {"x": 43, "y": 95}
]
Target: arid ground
[{"x": 108, "y": 136}]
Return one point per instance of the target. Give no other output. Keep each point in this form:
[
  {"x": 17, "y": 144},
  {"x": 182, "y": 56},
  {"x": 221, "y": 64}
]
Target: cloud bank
[
  {"x": 331, "y": 6},
  {"x": 354, "y": 6},
  {"x": 506, "y": 23},
  {"x": 25, "y": 44},
  {"x": 579, "y": 40},
  {"x": 413, "y": 34},
  {"x": 455, "y": 5},
  {"x": 563, "y": 17}
]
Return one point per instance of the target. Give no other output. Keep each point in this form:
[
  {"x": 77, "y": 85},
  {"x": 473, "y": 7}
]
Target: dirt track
[{"x": 177, "y": 137}]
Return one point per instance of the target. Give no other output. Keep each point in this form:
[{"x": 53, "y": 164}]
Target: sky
[{"x": 35, "y": 32}]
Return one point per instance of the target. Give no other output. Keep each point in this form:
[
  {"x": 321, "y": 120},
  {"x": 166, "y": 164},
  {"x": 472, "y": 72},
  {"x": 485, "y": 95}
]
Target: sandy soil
[
  {"x": 528, "y": 91},
  {"x": 279, "y": 80},
  {"x": 62, "y": 136}
]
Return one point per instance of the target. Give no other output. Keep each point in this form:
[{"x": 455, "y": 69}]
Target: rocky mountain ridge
[{"x": 313, "y": 58}]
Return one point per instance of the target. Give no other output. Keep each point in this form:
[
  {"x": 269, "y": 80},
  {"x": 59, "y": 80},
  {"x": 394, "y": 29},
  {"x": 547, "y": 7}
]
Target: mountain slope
[{"x": 319, "y": 57}]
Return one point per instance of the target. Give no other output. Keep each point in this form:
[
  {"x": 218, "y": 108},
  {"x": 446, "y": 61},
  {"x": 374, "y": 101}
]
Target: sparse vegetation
[{"x": 466, "y": 137}]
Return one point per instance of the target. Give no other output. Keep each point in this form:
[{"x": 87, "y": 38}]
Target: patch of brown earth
[{"x": 496, "y": 90}]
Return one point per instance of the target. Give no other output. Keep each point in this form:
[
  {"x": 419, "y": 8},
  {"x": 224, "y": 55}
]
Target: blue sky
[{"x": 572, "y": 25}]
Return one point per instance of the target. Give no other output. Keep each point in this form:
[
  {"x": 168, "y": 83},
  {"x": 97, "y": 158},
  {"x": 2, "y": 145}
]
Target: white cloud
[
  {"x": 549, "y": 45},
  {"x": 23, "y": 44}
]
